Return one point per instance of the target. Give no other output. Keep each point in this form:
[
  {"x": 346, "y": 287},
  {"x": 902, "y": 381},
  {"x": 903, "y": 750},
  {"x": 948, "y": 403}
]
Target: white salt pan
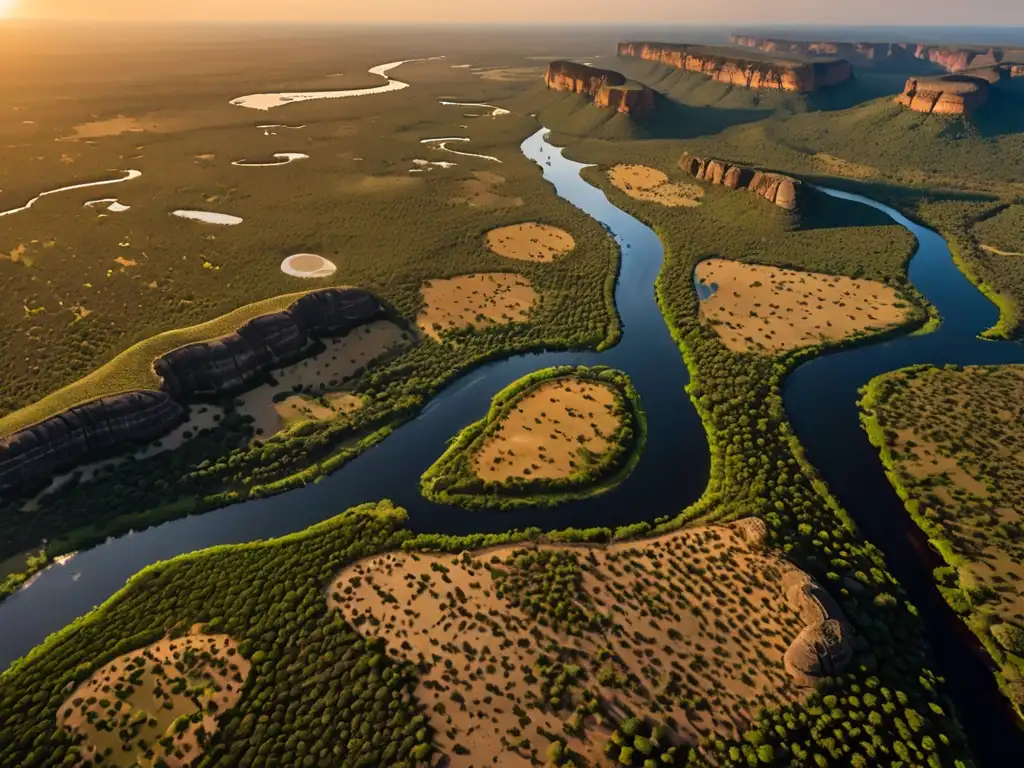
[{"x": 209, "y": 217}]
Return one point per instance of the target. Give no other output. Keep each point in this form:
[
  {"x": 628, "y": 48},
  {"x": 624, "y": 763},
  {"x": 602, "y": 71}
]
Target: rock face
[
  {"x": 224, "y": 364},
  {"x": 607, "y": 89},
  {"x": 824, "y": 646},
  {"x": 950, "y": 58},
  {"x": 947, "y": 95},
  {"x": 724, "y": 65},
  {"x": 263, "y": 343},
  {"x": 83, "y": 431},
  {"x": 783, "y": 191}
]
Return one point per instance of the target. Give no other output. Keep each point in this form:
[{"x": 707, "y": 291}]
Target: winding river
[{"x": 820, "y": 397}]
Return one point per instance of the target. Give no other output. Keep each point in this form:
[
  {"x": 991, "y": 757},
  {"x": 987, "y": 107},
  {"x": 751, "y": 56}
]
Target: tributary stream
[{"x": 820, "y": 398}]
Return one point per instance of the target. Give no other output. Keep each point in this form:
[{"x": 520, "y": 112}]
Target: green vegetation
[
  {"x": 758, "y": 469},
  {"x": 1003, "y": 231},
  {"x": 454, "y": 479},
  {"x": 950, "y": 441},
  {"x": 346, "y": 702}
]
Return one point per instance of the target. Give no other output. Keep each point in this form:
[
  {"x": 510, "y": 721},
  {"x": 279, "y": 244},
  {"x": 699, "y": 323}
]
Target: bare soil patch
[
  {"x": 480, "y": 192},
  {"x": 513, "y": 643},
  {"x": 769, "y": 309},
  {"x": 643, "y": 183},
  {"x": 841, "y": 167},
  {"x": 114, "y": 126},
  {"x": 304, "y": 390},
  {"x": 170, "y": 690},
  {"x": 530, "y": 242},
  {"x": 542, "y": 437},
  {"x": 477, "y": 300}
]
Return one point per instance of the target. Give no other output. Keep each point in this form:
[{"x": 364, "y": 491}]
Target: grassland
[
  {"x": 1003, "y": 234},
  {"x": 950, "y": 440},
  {"x": 554, "y": 435}
]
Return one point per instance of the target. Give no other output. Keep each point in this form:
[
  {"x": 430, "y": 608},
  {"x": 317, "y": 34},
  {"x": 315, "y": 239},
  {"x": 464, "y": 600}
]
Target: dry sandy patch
[
  {"x": 768, "y": 309},
  {"x": 643, "y": 183},
  {"x": 997, "y": 252},
  {"x": 695, "y": 619},
  {"x": 480, "y": 192},
  {"x": 530, "y": 242},
  {"x": 542, "y": 436},
  {"x": 146, "y": 691},
  {"x": 274, "y": 407},
  {"x": 511, "y": 74},
  {"x": 113, "y": 126},
  {"x": 478, "y": 300},
  {"x": 841, "y": 167}
]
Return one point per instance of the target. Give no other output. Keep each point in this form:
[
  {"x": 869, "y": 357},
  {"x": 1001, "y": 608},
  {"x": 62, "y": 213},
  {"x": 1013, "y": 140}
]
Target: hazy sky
[{"x": 734, "y": 12}]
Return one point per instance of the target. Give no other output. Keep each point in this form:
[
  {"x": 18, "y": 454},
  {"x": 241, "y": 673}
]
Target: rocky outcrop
[
  {"x": 950, "y": 58},
  {"x": 83, "y": 431},
  {"x": 606, "y": 88},
  {"x": 824, "y": 646},
  {"x": 233, "y": 362},
  {"x": 726, "y": 66},
  {"x": 783, "y": 191},
  {"x": 228, "y": 363},
  {"x": 946, "y": 95}
]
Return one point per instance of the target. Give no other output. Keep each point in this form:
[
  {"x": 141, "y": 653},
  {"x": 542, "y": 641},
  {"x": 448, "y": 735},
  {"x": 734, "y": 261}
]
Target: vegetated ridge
[
  {"x": 605, "y": 87},
  {"x": 729, "y": 66}
]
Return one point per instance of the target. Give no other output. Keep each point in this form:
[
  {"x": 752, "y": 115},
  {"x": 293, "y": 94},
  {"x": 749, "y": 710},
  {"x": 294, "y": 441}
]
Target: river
[{"x": 820, "y": 397}]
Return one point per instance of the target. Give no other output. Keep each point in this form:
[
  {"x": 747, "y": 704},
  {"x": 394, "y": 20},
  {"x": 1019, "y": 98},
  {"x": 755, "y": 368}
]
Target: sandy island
[
  {"x": 769, "y": 309},
  {"x": 151, "y": 693},
  {"x": 478, "y": 300},
  {"x": 643, "y": 183},
  {"x": 530, "y": 242},
  {"x": 544, "y": 434},
  {"x": 696, "y": 619}
]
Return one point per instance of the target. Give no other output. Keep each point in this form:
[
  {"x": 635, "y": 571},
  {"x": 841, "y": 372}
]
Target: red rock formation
[
  {"x": 946, "y": 95},
  {"x": 721, "y": 65},
  {"x": 951, "y": 58},
  {"x": 783, "y": 191},
  {"x": 606, "y": 88}
]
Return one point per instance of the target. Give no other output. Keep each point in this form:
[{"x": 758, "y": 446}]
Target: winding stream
[{"x": 820, "y": 397}]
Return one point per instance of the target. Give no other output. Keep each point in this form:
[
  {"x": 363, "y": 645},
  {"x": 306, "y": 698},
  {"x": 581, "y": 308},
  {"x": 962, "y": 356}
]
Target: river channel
[{"x": 820, "y": 397}]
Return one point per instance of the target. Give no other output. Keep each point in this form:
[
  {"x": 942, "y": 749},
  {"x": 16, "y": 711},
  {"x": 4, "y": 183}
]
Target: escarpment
[
  {"x": 263, "y": 343},
  {"x": 824, "y": 646},
  {"x": 727, "y": 66},
  {"x": 83, "y": 431},
  {"x": 784, "y": 191},
  {"x": 946, "y": 95},
  {"x": 606, "y": 88},
  {"x": 204, "y": 368},
  {"x": 950, "y": 58}
]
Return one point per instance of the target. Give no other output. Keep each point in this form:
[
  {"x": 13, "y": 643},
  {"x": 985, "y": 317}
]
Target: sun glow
[{"x": 7, "y": 8}]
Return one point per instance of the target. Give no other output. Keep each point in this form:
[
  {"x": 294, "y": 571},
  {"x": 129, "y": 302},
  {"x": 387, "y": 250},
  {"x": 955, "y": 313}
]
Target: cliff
[
  {"x": 947, "y": 95},
  {"x": 232, "y": 362},
  {"x": 228, "y": 363},
  {"x": 83, "y": 431},
  {"x": 725, "y": 66},
  {"x": 606, "y": 88},
  {"x": 950, "y": 58},
  {"x": 783, "y": 191}
]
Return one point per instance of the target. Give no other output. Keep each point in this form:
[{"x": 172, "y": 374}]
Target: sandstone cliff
[
  {"x": 783, "y": 191},
  {"x": 83, "y": 431},
  {"x": 606, "y": 88},
  {"x": 950, "y": 58},
  {"x": 724, "y": 65},
  {"x": 266, "y": 342},
  {"x": 228, "y": 363},
  {"x": 947, "y": 95}
]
